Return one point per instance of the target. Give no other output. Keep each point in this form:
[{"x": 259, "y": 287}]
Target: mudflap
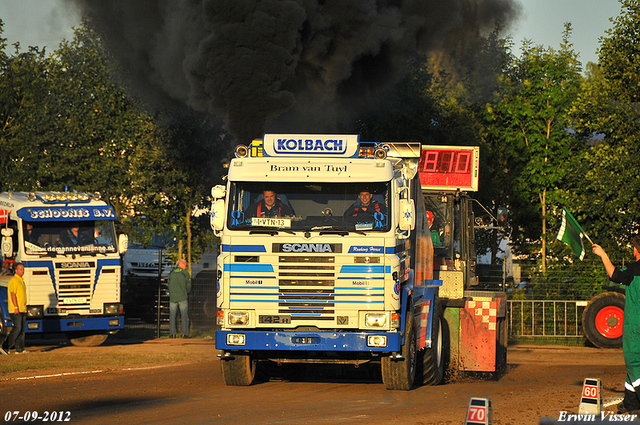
[{"x": 424, "y": 299}]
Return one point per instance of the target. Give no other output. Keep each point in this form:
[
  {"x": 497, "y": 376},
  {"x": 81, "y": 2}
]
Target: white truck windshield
[
  {"x": 62, "y": 237},
  {"x": 309, "y": 206}
]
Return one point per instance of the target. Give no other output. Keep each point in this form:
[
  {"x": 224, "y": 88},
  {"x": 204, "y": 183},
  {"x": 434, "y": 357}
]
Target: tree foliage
[
  {"x": 548, "y": 136},
  {"x": 67, "y": 121},
  {"x": 607, "y": 181},
  {"x": 529, "y": 132}
]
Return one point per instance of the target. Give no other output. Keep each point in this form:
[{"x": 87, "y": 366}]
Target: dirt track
[{"x": 540, "y": 382}]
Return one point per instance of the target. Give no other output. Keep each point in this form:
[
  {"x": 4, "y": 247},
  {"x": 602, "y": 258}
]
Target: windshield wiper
[
  {"x": 272, "y": 232},
  {"x": 263, "y": 232},
  {"x": 333, "y": 230}
]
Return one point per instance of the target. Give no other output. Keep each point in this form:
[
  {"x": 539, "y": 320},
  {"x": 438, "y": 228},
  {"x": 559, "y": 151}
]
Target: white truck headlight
[
  {"x": 236, "y": 339},
  {"x": 376, "y": 341},
  {"x": 375, "y": 320},
  {"x": 113, "y": 309},
  {"x": 35, "y": 311},
  {"x": 238, "y": 318}
]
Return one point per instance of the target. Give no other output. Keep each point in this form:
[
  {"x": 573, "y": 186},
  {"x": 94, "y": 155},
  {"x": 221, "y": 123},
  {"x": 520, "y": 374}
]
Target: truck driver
[{"x": 269, "y": 206}]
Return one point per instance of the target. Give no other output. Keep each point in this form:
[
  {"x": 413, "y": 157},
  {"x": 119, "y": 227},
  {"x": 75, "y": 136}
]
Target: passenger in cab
[{"x": 364, "y": 209}]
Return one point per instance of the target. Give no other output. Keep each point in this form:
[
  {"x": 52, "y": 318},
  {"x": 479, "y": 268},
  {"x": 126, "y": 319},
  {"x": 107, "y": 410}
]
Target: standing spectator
[
  {"x": 179, "y": 287},
  {"x": 629, "y": 276},
  {"x": 17, "y": 309}
]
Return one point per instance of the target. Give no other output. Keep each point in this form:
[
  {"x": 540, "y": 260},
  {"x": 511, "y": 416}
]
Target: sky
[
  {"x": 542, "y": 22},
  {"x": 46, "y": 22}
]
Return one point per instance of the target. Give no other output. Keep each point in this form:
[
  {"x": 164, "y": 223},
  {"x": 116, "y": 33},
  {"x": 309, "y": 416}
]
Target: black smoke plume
[{"x": 250, "y": 61}]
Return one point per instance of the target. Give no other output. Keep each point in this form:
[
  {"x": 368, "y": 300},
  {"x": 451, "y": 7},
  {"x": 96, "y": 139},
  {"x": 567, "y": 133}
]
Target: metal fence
[
  {"x": 146, "y": 304},
  {"x": 540, "y": 319}
]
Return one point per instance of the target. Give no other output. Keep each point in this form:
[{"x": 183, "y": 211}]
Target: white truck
[
  {"x": 316, "y": 282},
  {"x": 68, "y": 245}
]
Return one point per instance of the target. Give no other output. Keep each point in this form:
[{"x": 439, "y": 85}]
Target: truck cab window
[{"x": 308, "y": 206}]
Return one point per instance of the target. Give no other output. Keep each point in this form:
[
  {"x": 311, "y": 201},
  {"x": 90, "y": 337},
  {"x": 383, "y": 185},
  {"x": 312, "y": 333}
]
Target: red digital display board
[{"x": 449, "y": 167}]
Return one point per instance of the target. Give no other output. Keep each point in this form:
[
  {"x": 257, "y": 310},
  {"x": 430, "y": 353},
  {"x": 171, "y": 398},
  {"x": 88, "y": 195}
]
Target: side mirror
[
  {"x": 123, "y": 243},
  {"x": 217, "y": 215},
  {"x": 7, "y": 245},
  {"x": 407, "y": 214},
  {"x": 218, "y": 191}
]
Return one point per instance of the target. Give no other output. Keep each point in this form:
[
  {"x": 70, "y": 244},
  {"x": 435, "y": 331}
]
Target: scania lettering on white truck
[
  {"x": 327, "y": 257},
  {"x": 68, "y": 245}
]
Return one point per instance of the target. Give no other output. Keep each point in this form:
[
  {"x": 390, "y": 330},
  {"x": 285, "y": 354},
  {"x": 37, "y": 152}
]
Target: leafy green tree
[
  {"x": 529, "y": 131},
  {"x": 606, "y": 186},
  {"x": 68, "y": 122},
  {"x": 172, "y": 175},
  {"x": 24, "y": 79}
]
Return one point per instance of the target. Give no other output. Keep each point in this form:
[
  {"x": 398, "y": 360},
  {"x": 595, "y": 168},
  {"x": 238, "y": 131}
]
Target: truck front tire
[
  {"x": 431, "y": 360},
  {"x": 84, "y": 340},
  {"x": 399, "y": 374},
  {"x": 239, "y": 370}
]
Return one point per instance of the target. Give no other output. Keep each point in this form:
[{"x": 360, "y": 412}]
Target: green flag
[{"x": 571, "y": 233}]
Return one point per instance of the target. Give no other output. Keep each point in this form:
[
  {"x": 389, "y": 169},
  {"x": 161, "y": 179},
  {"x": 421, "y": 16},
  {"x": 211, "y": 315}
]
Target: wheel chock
[
  {"x": 591, "y": 400},
  {"x": 479, "y": 412}
]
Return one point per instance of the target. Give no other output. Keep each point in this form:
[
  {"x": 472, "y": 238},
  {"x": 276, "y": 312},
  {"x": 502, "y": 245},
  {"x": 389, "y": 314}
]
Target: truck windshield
[
  {"x": 309, "y": 206},
  {"x": 62, "y": 237}
]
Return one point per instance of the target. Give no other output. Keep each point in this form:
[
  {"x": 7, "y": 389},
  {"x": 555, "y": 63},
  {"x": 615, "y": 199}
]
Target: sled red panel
[{"x": 478, "y": 336}]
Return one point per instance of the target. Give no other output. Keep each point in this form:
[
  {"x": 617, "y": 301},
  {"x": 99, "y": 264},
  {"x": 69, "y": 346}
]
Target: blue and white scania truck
[
  {"x": 68, "y": 245},
  {"x": 313, "y": 285}
]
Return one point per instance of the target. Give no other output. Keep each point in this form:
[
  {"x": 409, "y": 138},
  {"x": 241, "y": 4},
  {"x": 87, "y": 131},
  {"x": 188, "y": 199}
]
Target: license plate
[
  {"x": 74, "y": 300},
  {"x": 274, "y": 319}
]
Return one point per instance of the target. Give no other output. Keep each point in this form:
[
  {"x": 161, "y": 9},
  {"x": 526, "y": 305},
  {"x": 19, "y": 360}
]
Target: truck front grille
[
  {"x": 74, "y": 289},
  {"x": 301, "y": 295}
]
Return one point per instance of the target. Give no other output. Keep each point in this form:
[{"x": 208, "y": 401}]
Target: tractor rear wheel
[{"x": 602, "y": 320}]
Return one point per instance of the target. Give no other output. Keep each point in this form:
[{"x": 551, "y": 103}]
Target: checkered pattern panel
[{"x": 487, "y": 310}]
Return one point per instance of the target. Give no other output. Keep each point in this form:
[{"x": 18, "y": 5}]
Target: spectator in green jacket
[{"x": 179, "y": 287}]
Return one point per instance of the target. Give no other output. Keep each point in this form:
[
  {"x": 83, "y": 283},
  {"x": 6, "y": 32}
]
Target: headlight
[
  {"x": 113, "y": 309},
  {"x": 34, "y": 311},
  {"x": 238, "y": 317},
  {"x": 376, "y": 341},
  {"x": 236, "y": 339},
  {"x": 375, "y": 320}
]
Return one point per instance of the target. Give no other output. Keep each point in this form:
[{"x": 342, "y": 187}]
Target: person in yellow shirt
[{"x": 17, "y": 308}]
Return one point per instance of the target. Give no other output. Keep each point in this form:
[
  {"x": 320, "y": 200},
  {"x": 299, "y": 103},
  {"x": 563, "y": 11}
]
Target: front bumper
[
  {"x": 308, "y": 341},
  {"x": 73, "y": 324}
]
